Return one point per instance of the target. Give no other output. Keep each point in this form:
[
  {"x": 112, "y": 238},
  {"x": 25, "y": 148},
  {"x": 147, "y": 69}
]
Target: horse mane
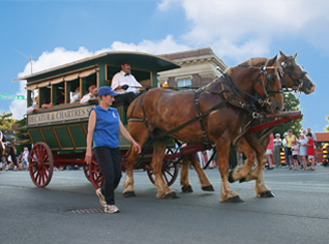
[{"x": 252, "y": 61}]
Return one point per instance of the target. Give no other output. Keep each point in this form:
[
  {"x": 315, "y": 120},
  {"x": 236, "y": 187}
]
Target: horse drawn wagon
[{"x": 59, "y": 133}]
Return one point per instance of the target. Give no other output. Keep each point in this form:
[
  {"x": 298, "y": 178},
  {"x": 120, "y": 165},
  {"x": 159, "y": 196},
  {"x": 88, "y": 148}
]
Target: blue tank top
[{"x": 106, "y": 132}]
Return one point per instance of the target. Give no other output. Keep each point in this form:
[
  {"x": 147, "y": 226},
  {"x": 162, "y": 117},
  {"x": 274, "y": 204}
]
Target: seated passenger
[
  {"x": 34, "y": 106},
  {"x": 59, "y": 98},
  {"x": 125, "y": 84},
  {"x": 76, "y": 95},
  {"x": 92, "y": 95}
]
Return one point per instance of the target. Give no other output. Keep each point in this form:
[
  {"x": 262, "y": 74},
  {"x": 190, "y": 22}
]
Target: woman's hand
[
  {"x": 88, "y": 157},
  {"x": 137, "y": 147}
]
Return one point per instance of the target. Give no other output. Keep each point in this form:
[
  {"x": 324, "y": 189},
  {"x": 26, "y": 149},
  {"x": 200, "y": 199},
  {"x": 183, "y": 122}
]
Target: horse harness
[{"x": 231, "y": 95}]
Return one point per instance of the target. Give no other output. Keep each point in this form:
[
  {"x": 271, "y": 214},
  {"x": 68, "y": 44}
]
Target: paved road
[{"x": 298, "y": 214}]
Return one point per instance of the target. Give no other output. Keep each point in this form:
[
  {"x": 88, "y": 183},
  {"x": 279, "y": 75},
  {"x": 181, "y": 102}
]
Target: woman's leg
[{"x": 105, "y": 162}]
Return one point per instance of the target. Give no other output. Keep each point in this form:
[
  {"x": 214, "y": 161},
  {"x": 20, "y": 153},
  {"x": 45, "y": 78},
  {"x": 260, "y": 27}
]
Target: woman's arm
[
  {"x": 91, "y": 127},
  {"x": 126, "y": 135}
]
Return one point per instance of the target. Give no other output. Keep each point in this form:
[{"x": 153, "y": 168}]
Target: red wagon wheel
[
  {"x": 41, "y": 164},
  {"x": 95, "y": 174},
  {"x": 169, "y": 171}
]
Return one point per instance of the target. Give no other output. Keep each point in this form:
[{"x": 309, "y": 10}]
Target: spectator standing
[
  {"x": 313, "y": 136},
  {"x": 290, "y": 138},
  {"x": 285, "y": 147},
  {"x": 269, "y": 152},
  {"x": 26, "y": 156},
  {"x": 310, "y": 150},
  {"x": 295, "y": 153},
  {"x": 302, "y": 150},
  {"x": 277, "y": 150}
]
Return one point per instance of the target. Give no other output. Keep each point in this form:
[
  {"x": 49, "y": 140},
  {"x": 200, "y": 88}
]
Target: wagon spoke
[
  {"x": 165, "y": 176},
  {"x": 169, "y": 173}
]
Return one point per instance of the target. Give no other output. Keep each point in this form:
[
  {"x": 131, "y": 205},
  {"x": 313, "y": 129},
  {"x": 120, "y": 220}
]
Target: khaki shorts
[
  {"x": 310, "y": 156},
  {"x": 269, "y": 151}
]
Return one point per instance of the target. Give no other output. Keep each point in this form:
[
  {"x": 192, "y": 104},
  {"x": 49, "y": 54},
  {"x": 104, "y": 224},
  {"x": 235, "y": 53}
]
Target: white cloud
[
  {"x": 238, "y": 29},
  {"x": 61, "y": 56}
]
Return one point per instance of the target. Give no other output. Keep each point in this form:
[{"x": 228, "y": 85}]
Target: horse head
[
  {"x": 266, "y": 83},
  {"x": 293, "y": 76}
]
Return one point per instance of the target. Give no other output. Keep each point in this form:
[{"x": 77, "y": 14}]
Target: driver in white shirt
[{"x": 125, "y": 84}]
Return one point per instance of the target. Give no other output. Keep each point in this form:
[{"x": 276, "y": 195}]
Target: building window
[{"x": 184, "y": 83}]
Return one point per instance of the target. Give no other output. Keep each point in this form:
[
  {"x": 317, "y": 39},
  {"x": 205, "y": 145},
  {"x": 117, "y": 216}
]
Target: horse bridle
[
  {"x": 297, "y": 78},
  {"x": 264, "y": 78}
]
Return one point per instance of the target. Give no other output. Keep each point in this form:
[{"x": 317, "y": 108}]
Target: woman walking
[{"x": 104, "y": 126}]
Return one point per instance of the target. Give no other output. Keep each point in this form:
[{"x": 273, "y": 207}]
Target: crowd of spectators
[{"x": 299, "y": 150}]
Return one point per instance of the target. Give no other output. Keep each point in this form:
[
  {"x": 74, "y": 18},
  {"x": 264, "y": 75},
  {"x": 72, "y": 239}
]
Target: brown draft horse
[
  {"x": 160, "y": 113},
  {"x": 293, "y": 77}
]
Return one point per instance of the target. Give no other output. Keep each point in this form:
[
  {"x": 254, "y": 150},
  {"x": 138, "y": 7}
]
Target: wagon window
[
  {"x": 72, "y": 88},
  {"x": 58, "y": 93},
  {"x": 88, "y": 81}
]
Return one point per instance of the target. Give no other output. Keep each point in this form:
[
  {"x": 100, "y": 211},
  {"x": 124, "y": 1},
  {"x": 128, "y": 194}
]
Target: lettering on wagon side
[{"x": 59, "y": 116}]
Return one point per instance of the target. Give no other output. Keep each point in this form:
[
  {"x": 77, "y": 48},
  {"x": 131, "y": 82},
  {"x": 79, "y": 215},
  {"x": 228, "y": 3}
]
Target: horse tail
[{"x": 13, "y": 155}]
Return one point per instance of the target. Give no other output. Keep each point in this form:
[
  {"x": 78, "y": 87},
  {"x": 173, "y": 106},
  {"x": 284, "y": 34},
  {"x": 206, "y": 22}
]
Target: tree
[
  {"x": 291, "y": 103},
  {"x": 22, "y": 135},
  {"x": 6, "y": 120},
  {"x": 327, "y": 127}
]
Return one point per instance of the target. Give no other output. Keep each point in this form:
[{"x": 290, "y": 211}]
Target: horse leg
[
  {"x": 259, "y": 187},
  {"x": 140, "y": 134},
  {"x": 184, "y": 179},
  {"x": 223, "y": 148},
  {"x": 205, "y": 183},
  {"x": 159, "y": 149},
  {"x": 240, "y": 172}
]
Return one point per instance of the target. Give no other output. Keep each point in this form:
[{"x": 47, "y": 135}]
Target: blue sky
[{"x": 57, "y": 32}]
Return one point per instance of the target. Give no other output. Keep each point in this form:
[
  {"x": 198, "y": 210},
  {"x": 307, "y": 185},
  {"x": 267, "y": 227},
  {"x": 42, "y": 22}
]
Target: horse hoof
[
  {"x": 186, "y": 189},
  {"x": 266, "y": 194},
  {"x": 171, "y": 195},
  {"x": 129, "y": 194},
  {"x": 242, "y": 180},
  {"x": 235, "y": 199},
  {"x": 208, "y": 188},
  {"x": 230, "y": 177}
]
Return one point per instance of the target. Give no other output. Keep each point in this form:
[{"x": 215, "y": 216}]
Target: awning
[
  {"x": 31, "y": 87},
  {"x": 44, "y": 84},
  {"x": 71, "y": 77},
  {"x": 87, "y": 73},
  {"x": 56, "y": 81}
]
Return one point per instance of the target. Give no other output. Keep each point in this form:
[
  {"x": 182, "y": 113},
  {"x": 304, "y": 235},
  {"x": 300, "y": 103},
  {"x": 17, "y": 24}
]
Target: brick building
[{"x": 197, "y": 67}]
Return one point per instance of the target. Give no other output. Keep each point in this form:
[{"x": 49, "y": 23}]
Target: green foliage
[
  {"x": 6, "y": 120},
  {"x": 327, "y": 127},
  {"x": 23, "y": 135},
  {"x": 291, "y": 103}
]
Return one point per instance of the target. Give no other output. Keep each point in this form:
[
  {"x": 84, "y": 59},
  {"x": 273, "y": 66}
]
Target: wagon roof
[{"x": 138, "y": 60}]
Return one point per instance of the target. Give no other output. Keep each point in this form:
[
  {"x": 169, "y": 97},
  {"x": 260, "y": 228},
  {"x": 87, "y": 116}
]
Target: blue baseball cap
[{"x": 106, "y": 90}]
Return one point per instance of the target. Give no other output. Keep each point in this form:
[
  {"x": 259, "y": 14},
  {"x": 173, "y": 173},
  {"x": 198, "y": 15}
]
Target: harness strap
[
  {"x": 201, "y": 116},
  {"x": 145, "y": 119},
  {"x": 229, "y": 88},
  {"x": 197, "y": 106}
]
